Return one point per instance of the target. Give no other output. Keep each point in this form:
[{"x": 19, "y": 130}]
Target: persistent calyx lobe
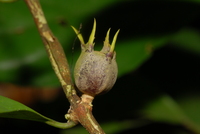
[{"x": 95, "y": 72}]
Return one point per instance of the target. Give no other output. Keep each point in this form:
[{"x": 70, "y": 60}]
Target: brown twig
[{"x": 80, "y": 107}]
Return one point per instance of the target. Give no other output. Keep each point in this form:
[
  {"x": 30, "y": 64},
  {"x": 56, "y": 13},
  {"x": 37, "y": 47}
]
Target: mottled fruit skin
[{"x": 95, "y": 72}]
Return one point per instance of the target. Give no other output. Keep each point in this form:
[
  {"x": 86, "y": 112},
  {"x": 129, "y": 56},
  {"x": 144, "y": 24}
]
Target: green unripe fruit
[{"x": 95, "y": 72}]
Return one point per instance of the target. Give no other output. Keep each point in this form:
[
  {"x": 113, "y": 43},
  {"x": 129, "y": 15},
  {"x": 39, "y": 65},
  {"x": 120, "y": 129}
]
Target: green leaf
[
  {"x": 13, "y": 109},
  {"x": 165, "y": 109},
  {"x": 187, "y": 39},
  {"x": 8, "y": 0},
  {"x": 131, "y": 54},
  {"x": 190, "y": 105},
  {"x": 193, "y": 1},
  {"x": 111, "y": 127}
]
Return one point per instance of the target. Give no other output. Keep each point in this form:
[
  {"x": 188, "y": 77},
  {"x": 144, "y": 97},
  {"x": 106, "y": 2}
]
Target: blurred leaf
[
  {"x": 131, "y": 54},
  {"x": 165, "y": 109},
  {"x": 192, "y": 0},
  {"x": 117, "y": 126},
  {"x": 190, "y": 105},
  {"x": 13, "y": 109},
  {"x": 187, "y": 39},
  {"x": 110, "y": 127},
  {"x": 8, "y": 0}
]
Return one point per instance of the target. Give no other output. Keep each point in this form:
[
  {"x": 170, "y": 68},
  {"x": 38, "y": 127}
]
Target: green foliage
[
  {"x": 13, "y": 109},
  {"x": 146, "y": 27},
  {"x": 109, "y": 127},
  {"x": 8, "y": 0}
]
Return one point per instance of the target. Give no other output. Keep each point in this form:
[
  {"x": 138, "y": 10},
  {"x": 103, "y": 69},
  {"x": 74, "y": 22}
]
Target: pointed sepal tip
[
  {"x": 92, "y": 35},
  {"x": 114, "y": 41},
  {"x": 79, "y": 35}
]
